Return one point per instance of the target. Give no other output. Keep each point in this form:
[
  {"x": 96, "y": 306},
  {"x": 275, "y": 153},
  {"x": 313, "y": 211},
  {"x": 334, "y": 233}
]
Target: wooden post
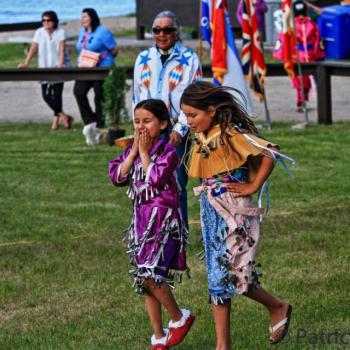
[
  {"x": 140, "y": 33},
  {"x": 324, "y": 97}
]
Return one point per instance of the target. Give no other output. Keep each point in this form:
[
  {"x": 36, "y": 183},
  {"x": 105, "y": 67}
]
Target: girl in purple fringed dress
[{"x": 157, "y": 235}]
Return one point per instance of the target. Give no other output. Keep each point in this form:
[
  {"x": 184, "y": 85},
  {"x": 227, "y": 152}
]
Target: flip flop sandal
[{"x": 283, "y": 323}]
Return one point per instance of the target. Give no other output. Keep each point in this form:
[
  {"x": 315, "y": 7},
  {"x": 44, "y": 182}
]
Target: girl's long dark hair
[
  {"x": 95, "y": 20},
  {"x": 299, "y": 8},
  {"x": 158, "y": 108},
  {"x": 229, "y": 112}
]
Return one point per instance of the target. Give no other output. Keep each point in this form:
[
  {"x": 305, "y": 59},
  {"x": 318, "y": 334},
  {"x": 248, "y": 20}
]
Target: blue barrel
[{"x": 334, "y": 25}]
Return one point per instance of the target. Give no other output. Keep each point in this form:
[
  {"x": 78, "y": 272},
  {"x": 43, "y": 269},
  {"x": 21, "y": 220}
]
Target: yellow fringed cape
[{"x": 210, "y": 157}]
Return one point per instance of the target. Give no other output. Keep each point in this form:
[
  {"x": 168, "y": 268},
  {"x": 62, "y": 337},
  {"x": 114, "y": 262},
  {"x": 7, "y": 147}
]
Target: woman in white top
[{"x": 48, "y": 43}]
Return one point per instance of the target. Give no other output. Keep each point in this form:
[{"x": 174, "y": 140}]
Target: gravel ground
[{"x": 21, "y": 101}]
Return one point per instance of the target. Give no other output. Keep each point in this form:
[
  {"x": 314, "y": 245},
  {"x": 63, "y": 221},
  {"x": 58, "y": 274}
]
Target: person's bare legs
[
  {"x": 66, "y": 119},
  {"x": 165, "y": 297},
  {"x": 154, "y": 308},
  {"x": 55, "y": 122},
  {"x": 222, "y": 318},
  {"x": 277, "y": 308}
]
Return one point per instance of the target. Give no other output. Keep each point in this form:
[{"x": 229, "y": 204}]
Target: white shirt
[
  {"x": 48, "y": 47},
  {"x": 167, "y": 82}
]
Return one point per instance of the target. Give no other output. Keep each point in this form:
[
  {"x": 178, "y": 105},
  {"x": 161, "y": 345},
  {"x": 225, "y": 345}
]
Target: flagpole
[
  {"x": 253, "y": 61},
  {"x": 199, "y": 50},
  {"x": 306, "y": 113},
  {"x": 267, "y": 112}
]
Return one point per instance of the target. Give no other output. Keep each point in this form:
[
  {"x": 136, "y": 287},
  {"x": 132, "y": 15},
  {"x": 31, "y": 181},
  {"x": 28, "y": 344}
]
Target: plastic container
[
  {"x": 124, "y": 142},
  {"x": 334, "y": 25}
]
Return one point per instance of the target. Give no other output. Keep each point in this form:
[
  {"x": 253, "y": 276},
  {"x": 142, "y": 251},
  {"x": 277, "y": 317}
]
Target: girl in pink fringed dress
[
  {"x": 308, "y": 47},
  {"x": 232, "y": 163}
]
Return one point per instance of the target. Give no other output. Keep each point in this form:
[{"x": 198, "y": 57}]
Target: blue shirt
[{"x": 102, "y": 41}]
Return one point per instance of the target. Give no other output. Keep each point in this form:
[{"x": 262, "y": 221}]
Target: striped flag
[
  {"x": 205, "y": 20},
  {"x": 226, "y": 64},
  {"x": 253, "y": 62},
  {"x": 288, "y": 38}
]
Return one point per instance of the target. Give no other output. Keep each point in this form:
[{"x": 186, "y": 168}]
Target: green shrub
[{"x": 114, "y": 90}]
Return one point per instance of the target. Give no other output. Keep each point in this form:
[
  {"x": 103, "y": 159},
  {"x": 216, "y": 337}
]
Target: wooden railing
[
  {"x": 12, "y": 27},
  {"x": 52, "y": 74},
  {"x": 322, "y": 70}
]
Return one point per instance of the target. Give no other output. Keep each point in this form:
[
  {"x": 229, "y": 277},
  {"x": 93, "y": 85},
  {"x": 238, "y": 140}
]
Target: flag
[
  {"x": 205, "y": 20},
  {"x": 253, "y": 62},
  {"x": 226, "y": 64},
  {"x": 288, "y": 38}
]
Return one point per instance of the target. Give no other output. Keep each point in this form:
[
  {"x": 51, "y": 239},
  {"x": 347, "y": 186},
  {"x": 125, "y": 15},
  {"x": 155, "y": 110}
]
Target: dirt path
[{"x": 21, "y": 101}]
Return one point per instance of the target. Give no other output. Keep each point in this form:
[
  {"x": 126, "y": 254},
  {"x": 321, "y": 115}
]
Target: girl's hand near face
[
  {"x": 130, "y": 159},
  {"x": 145, "y": 142},
  {"x": 135, "y": 146}
]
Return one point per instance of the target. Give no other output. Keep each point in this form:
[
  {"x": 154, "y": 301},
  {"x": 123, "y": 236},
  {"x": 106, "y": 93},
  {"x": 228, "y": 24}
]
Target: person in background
[
  {"x": 313, "y": 7},
  {"x": 49, "y": 44},
  {"x": 309, "y": 49},
  {"x": 163, "y": 72},
  {"x": 260, "y": 10},
  {"x": 317, "y": 11},
  {"x": 93, "y": 38}
]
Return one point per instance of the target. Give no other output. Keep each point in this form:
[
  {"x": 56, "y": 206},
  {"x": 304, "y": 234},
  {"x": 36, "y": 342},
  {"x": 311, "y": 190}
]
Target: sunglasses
[
  {"x": 166, "y": 30},
  {"x": 46, "y": 20}
]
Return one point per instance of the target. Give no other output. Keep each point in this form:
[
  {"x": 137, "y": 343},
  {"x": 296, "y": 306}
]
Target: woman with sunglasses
[
  {"x": 93, "y": 38},
  {"x": 163, "y": 72},
  {"x": 49, "y": 44}
]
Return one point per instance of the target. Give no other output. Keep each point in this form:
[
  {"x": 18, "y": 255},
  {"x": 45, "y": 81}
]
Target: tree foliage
[{"x": 114, "y": 90}]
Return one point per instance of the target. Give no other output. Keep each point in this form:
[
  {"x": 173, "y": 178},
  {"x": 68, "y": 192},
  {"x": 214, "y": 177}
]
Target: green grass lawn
[
  {"x": 64, "y": 280},
  {"x": 11, "y": 54}
]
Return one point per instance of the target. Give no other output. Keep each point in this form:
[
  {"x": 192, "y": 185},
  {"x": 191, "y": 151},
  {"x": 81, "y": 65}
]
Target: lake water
[{"x": 16, "y": 11}]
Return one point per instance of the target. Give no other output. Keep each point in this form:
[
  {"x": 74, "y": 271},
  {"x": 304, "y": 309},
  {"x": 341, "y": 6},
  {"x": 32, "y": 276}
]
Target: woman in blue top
[{"x": 96, "y": 38}]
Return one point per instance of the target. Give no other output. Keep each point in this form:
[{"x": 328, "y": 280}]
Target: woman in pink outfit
[{"x": 308, "y": 45}]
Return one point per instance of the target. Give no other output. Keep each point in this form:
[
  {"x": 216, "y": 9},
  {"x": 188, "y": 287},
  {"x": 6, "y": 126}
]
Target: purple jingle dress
[{"x": 157, "y": 235}]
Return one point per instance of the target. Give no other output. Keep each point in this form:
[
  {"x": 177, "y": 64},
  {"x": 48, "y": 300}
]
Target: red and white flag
[
  {"x": 253, "y": 62},
  {"x": 288, "y": 38}
]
